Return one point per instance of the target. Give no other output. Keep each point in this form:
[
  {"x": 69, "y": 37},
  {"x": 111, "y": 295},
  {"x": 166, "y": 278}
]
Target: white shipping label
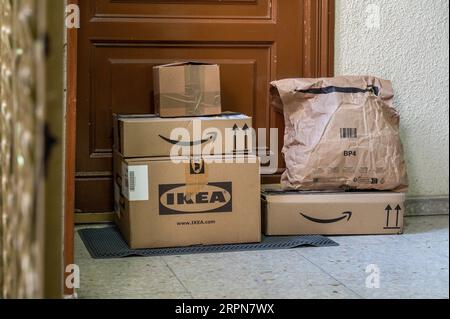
[{"x": 135, "y": 182}]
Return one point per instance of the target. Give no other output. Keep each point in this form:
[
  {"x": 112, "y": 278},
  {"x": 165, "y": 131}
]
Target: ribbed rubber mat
[{"x": 108, "y": 243}]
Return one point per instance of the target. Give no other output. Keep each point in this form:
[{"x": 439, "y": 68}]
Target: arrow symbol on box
[
  {"x": 398, "y": 209},
  {"x": 245, "y": 129},
  {"x": 388, "y": 211},
  {"x": 235, "y": 129}
]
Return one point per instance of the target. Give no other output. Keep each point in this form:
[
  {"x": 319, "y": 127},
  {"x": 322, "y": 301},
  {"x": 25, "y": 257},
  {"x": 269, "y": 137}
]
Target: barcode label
[
  {"x": 135, "y": 182},
  {"x": 132, "y": 181},
  {"x": 349, "y": 133}
]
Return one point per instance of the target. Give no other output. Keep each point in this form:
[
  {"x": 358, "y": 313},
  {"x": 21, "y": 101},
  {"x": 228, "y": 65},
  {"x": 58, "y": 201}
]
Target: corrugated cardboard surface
[
  {"x": 330, "y": 213},
  {"x": 191, "y": 203},
  {"x": 187, "y": 89},
  {"x": 151, "y": 136}
]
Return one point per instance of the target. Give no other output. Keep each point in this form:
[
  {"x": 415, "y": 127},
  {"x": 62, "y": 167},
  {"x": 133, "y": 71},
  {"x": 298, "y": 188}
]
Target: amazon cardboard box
[
  {"x": 151, "y": 136},
  {"x": 213, "y": 200},
  {"x": 328, "y": 213},
  {"x": 187, "y": 89}
]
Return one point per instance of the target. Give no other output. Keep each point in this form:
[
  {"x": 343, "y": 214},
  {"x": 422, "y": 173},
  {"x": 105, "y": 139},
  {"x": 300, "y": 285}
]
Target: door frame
[
  {"x": 319, "y": 26},
  {"x": 70, "y": 149}
]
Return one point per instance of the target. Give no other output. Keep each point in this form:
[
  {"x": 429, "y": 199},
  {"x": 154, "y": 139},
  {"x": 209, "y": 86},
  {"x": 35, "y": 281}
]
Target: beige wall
[{"x": 411, "y": 48}]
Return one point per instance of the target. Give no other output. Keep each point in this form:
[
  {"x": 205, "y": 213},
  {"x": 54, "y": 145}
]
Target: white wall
[{"x": 410, "y": 46}]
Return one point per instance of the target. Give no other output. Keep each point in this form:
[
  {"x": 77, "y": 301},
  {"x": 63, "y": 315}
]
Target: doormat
[{"x": 108, "y": 243}]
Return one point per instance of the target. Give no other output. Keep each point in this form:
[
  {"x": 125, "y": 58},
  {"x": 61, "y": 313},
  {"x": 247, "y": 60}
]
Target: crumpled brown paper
[{"x": 341, "y": 133}]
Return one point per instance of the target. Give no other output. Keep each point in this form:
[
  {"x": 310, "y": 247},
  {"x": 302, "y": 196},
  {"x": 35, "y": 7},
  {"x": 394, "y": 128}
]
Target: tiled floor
[{"x": 415, "y": 265}]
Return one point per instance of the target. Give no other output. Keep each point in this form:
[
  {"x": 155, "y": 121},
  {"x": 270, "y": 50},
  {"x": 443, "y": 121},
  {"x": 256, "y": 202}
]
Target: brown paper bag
[{"x": 341, "y": 133}]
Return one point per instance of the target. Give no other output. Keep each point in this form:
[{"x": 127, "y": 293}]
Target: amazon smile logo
[
  {"x": 345, "y": 216},
  {"x": 211, "y": 137},
  {"x": 236, "y": 137}
]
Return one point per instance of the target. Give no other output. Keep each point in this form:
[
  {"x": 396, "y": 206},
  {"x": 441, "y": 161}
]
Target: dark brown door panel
[
  {"x": 254, "y": 41},
  {"x": 187, "y": 9}
]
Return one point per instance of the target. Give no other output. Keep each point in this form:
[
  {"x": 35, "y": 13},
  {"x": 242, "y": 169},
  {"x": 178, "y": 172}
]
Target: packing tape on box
[
  {"x": 195, "y": 85},
  {"x": 196, "y": 175},
  {"x": 195, "y": 95},
  {"x": 180, "y": 100}
]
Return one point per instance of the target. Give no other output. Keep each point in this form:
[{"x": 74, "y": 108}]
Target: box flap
[
  {"x": 154, "y": 118},
  {"x": 274, "y": 194},
  {"x": 237, "y": 158}
]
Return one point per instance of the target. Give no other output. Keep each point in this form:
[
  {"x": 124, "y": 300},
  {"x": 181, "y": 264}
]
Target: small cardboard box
[
  {"x": 151, "y": 136},
  {"x": 187, "y": 89},
  {"x": 328, "y": 213},
  {"x": 162, "y": 204}
]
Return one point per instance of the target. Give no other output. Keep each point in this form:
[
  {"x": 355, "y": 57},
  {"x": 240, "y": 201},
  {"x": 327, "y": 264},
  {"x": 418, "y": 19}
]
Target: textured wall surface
[
  {"x": 21, "y": 146},
  {"x": 408, "y": 44}
]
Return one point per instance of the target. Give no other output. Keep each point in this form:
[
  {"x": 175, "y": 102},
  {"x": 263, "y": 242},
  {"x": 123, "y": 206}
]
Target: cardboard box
[
  {"x": 151, "y": 136},
  {"x": 328, "y": 213},
  {"x": 196, "y": 202},
  {"x": 187, "y": 89}
]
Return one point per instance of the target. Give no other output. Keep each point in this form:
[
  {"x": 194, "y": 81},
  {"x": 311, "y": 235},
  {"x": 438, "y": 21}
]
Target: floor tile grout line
[
  {"x": 330, "y": 275},
  {"x": 179, "y": 280}
]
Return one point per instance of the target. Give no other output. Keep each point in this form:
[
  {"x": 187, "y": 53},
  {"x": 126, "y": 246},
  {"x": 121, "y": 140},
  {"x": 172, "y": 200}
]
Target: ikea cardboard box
[
  {"x": 162, "y": 204},
  {"x": 187, "y": 89},
  {"x": 328, "y": 213},
  {"x": 151, "y": 136}
]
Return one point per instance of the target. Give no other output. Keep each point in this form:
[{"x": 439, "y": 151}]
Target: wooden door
[{"x": 254, "y": 41}]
